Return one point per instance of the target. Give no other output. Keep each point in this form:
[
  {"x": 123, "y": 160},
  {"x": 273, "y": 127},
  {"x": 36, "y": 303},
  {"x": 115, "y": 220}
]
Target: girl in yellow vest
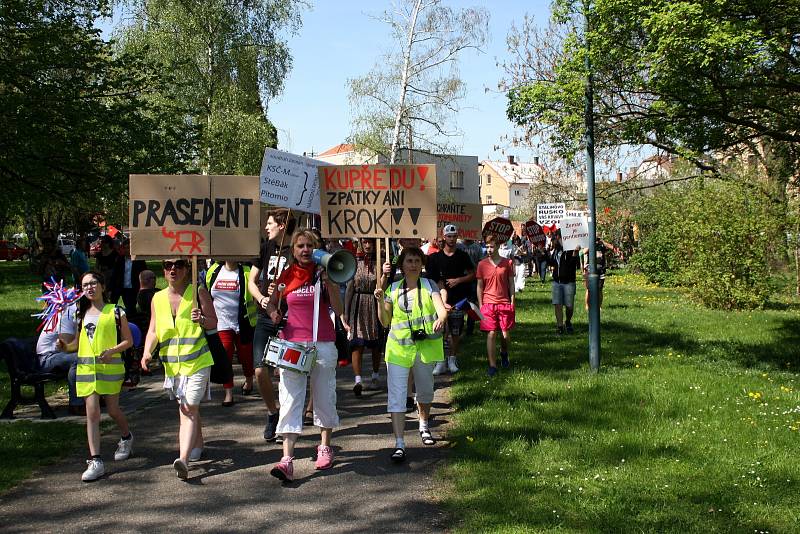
[
  {"x": 178, "y": 330},
  {"x": 415, "y": 315},
  {"x": 100, "y": 367}
]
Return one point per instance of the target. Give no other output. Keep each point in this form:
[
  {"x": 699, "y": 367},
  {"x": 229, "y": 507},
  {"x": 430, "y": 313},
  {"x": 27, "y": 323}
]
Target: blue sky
[{"x": 340, "y": 40}]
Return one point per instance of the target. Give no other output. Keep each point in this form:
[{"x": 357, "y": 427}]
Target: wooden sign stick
[
  {"x": 194, "y": 281},
  {"x": 378, "y": 267}
]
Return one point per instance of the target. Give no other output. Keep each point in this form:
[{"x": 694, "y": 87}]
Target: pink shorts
[{"x": 497, "y": 317}]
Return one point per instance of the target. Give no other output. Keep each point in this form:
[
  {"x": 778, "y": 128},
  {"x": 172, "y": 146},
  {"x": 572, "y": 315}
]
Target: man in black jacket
[{"x": 564, "y": 265}]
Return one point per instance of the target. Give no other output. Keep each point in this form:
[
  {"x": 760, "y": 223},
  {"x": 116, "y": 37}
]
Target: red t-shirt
[{"x": 496, "y": 288}]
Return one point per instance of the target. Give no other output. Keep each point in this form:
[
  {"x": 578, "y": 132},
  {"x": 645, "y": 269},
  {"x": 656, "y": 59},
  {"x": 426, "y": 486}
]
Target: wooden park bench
[{"x": 23, "y": 370}]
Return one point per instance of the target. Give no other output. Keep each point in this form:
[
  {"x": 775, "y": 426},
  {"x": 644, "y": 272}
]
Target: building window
[
  {"x": 516, "y": 192},
  {"x": 456, "y": 179},
  {"x": 488, "y": 179},
  {"x": 488, "y": 199}
]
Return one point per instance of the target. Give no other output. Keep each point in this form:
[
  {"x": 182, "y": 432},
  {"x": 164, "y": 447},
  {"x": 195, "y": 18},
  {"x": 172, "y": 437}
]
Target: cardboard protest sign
[
  {"x": 467, "y": 217},
  {"x": 549, "y": 214},
  {"x": 183, "y": 215},
  {"x": 574, "y": 233},
  {"x": 378, "y": 200},
  {"x": 499, "y": 226},
  {"x": 290, "y": 181},
  {"x": 535, "y": 233}
]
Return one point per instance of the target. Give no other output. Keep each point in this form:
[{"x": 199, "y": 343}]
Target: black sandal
[
  {"x": 246, "y": 391},
  {"x": 399, "y": 455},
  {"x": 427, "y": 438}
]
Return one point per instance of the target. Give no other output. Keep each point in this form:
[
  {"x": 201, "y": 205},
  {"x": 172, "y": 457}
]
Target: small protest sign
[
  {"x": 183, "y": 215},
  {"x": 549, "y": 214},
  {"x": 466, "y": 217},
  {"x": 535, "y": 233},
  {"x": 574, "y": 233},
  {"x": 576, "y": 213},
  {"x": 290, "y": 181},
  {"x": 378, "y": 200},
  {"x": 499, "y": 226}
]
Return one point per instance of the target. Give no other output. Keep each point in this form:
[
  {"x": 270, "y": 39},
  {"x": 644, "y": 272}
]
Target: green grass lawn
[{"x": 692, "y": 424}]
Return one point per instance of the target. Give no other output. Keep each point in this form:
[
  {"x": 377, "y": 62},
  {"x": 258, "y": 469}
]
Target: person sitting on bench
[{"x": 50, "y": 358}]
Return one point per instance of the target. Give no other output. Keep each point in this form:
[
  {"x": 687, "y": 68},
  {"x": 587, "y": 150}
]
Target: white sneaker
[
  {"x": 94, "y": 470},
  {"x": 181, "y": 469},
  {"x": 124, "y": 448},
  {"x": 451, "y": 364},
  {"x": 196, "y": 454},
  {"x": 440, "y": 368}
]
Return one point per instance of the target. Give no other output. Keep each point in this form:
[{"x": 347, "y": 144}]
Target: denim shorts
[{"x": 564, "y": 294}]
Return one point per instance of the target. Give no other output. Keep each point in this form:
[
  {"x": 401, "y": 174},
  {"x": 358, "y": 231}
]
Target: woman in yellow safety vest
[
  {"x": 103, "y": 335},
  {"x": 178, "y": 330},
  {"x": 415, "y": 315}
]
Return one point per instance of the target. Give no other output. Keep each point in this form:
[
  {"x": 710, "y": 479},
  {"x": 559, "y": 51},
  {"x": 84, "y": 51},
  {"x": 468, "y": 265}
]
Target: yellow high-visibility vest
[
  {"x": 401, "y": 349},
  {"x": 91, "y": 375},
  {"x": 182, "y": 344}
]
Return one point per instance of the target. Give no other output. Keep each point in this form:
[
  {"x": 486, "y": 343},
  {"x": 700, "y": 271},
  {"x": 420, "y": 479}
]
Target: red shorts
[{"x": 497, "y": 317}]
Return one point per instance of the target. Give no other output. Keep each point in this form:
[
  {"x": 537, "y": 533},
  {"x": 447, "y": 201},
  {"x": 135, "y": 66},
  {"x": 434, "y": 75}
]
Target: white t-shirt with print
[
  {"x": 225, "y": 293},
  {"x": 66, "y": 325}
]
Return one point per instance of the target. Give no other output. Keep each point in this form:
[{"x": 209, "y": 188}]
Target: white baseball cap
[{"x": 450, "y": 229}]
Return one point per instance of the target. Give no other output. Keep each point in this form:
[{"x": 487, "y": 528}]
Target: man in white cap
[{"x": 453, "y": 270}]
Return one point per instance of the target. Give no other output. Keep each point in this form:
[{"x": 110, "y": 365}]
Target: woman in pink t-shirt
[
  {"x": 495, "y": 276},
  {"x": 300, "y": 286}
]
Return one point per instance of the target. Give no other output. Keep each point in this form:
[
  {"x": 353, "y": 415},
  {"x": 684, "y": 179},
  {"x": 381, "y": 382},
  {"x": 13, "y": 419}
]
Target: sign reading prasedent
[
  {"x": 183, "y": 215},
  {"x": 378, "y": 200}
]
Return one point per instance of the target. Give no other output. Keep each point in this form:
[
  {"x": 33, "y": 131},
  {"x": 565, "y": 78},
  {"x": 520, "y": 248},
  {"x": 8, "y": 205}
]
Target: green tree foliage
[
  {"x": 73, "y": 123},
  {"x": 228, "y": 59},
  {"x": 687, "y": 77},
  {"x": 713, "y": 237}
]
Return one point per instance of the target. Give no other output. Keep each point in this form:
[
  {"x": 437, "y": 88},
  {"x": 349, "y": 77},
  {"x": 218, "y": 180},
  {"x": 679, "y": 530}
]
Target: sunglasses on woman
[{"x": 180, "y": 264}]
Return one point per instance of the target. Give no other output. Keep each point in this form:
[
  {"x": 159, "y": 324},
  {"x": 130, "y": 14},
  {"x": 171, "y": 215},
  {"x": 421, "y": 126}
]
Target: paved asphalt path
[{"x": 230, "y": 489}]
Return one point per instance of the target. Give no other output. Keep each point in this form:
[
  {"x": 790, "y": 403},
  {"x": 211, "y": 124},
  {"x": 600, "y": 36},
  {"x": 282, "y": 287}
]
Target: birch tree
[{"x": 412, "y": 94}]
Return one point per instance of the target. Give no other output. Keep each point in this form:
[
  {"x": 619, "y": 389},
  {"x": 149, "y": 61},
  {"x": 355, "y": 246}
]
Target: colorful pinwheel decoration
[{"x": 56, "y": 299}]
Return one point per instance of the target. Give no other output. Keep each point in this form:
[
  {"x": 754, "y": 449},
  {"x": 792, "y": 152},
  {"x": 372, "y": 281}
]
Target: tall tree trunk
[{"x": 404, "y": 82}]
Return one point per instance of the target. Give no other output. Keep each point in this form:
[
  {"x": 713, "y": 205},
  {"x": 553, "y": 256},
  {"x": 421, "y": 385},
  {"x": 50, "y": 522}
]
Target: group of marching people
[
  {"x": 283, "y": 295},
  {"x": 409, "y": 312}
]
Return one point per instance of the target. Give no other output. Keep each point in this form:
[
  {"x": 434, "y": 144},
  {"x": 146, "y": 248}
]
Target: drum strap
[{"x": 317, "y": 292}]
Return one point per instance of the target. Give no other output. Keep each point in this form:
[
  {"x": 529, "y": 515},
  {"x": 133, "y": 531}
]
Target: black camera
[{"x": 419, "y": 335}]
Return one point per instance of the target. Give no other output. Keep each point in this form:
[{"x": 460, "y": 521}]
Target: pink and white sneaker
[
  {"x": 284, "y": 470},
  {"x": 324, "y": 457}
]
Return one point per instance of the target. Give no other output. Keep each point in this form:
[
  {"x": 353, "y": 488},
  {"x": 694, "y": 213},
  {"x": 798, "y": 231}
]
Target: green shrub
[{"x": 715, "y": 237}]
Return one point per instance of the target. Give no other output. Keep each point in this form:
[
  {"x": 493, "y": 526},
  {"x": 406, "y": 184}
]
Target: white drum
[{"x": 290, "y": 355}]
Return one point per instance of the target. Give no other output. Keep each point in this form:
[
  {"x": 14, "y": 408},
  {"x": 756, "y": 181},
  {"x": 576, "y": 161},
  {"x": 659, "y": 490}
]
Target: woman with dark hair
[
  {"x": 415, "y": 313},
  {"x": 361, "y": 311},
  {"x": 303, "y": 283},
  {"x": 100, "y": 368},
  {"x": 178, "y": 327}
]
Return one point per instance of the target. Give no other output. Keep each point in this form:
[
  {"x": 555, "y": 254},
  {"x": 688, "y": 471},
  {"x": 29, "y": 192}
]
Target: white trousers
[
  {"x": 519, "y": 277},
  {"x": 292, "y": 392},
  {"x": 397, "y": 384}
]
